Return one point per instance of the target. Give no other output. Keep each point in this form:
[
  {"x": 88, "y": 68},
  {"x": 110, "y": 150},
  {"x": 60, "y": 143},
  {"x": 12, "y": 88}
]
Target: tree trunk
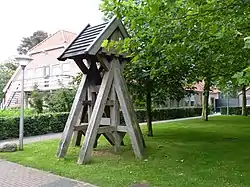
[
  {"x": 149, "y": 112},
  {"x": 205, "y": 108},
  {"x": 244, "y": 101}
]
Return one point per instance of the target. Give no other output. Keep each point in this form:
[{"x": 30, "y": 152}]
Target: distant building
[
  {"x": 248, "y": 97},
  {"x": 45, "y": 70}
]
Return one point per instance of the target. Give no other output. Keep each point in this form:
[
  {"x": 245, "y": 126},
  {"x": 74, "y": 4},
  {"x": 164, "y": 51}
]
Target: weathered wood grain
[
  {"x": 96, "y": 116},
  {"x": 73, "y": 118}
]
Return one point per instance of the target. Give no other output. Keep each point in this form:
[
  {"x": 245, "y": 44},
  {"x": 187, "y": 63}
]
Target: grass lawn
[{"x": 181, "y": 154}]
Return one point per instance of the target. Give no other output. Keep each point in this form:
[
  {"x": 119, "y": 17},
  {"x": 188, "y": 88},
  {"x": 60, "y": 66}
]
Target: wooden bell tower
[{"x": 101, "y": 94}]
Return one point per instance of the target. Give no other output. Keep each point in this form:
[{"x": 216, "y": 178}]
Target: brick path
[{"x": 13, "y": 175}]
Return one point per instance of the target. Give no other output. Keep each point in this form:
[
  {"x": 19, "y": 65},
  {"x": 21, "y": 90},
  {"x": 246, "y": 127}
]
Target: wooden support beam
[
  {"x": 81, "y": 127},
  {"x": 102, "y": 130},
  {"x": 77, "y": 135},
  {"x": 81, "y": 65},
  {"x": 73, "y": 119},
  {"x": 105, "y": 121},
  {"x": 133, "y": 128},
  {"x": 122, "y": 129},
  {"x": 104, "y": 62},
  {"x": 96, "y": 116},
  {"x": 115, "y": 118},
  {"x": 109, "y": 136},
  {"x": 96, "y": 140},
  {"x": 108, "y": 103}
]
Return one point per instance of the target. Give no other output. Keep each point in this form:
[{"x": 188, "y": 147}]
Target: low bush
[
  {"x": 33, "y": 125},
  {"x": 168, "y": 113},
  {"x": 234, "y": 110},
  {"x": 55, "y": 122}
]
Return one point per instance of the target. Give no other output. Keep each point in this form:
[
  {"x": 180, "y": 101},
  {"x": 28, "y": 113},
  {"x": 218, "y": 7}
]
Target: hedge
[
  {"x": 234, "y": 110},
  {"x": 33, "y": 125},
  {"x": 54, "y": 122}
]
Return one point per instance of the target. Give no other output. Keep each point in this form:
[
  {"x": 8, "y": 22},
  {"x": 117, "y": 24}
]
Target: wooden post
[
  {"x": 74, "y": 116},
  {"x": 96, "y": 116},
  {"x": 128, "y": 113},
  {"x": 115, "y": 118}
]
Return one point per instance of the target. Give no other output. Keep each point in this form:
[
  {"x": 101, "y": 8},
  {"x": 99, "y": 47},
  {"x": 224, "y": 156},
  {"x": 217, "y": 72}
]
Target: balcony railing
[{"x": 45, "y": 83}]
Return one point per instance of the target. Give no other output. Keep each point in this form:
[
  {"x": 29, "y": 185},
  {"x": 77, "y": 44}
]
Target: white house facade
[{"x": 44, "y": 71}]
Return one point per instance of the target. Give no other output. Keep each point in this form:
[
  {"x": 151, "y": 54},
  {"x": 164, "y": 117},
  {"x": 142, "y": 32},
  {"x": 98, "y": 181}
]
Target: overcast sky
[{"x": 19, "y": 18}]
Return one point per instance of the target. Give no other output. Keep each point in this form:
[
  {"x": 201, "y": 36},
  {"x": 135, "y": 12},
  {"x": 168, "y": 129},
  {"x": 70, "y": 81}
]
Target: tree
[
  {"x": 151, "y": 68},
  {"x": 28, "y": 42},
  {"x": 36, "y": 101},
  {"x": 60, "y": 100},
  {"x": 243, "y": 80},
  {"x": 7, "y": 68},
  {"x": 191, "y": 36}
]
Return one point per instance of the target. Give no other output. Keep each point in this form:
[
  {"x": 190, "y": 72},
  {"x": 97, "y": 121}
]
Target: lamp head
[{"x": 23, "y": 60}]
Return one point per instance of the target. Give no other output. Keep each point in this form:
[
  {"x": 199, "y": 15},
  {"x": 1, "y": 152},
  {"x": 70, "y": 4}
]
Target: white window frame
[
  {"x": 67, "y": 70},
  {"x": 54, "y": 71}
]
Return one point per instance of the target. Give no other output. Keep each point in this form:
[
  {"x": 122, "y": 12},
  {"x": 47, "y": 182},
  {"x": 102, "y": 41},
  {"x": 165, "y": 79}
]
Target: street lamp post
[{"x": 23, "y": 61}]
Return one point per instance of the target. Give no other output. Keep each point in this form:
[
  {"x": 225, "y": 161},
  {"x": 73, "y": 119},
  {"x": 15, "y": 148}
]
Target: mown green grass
[{"x": 181, "y": 154}]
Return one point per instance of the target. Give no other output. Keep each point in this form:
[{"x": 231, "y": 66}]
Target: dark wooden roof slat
[
  {"x": 88, "y": 35},
  {"x": 81, "y": 45},
  {"x": 82, "y": 48},
  {"x": 89, "y": 41},
  {"x": 92, "y": 31},
  {"x": 96, "y": 26},
  {"x": 84, "y": 40}
]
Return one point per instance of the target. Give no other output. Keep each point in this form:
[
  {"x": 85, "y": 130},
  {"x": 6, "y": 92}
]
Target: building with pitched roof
[{"x": 44, "y": 71}]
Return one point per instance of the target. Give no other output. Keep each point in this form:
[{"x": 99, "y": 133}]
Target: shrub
[
  {"x": 55, "y": 122},
  {"x": 168, "y": 113},
  {"x": 60, "y": 100},
  {"x": 234, "y": 110},
  {"x": 36, "y": 101},
  {"x": 33, "y": 125}
]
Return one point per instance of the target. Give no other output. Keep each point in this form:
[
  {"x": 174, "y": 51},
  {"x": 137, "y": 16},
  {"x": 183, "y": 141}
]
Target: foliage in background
[
  {"x": 36, "y": 100},
  {"x": 34, "y": 125},
  {"x": 55, "y": 122},
  {"x": 183, "y": 40},
  {"x": 60, "y": 100},
  {"x": 234, "y": 111},
  {"x": 243, "y": 81},
  {"x": 28, "y": 42},
  {"x": 7, "y": 68}
]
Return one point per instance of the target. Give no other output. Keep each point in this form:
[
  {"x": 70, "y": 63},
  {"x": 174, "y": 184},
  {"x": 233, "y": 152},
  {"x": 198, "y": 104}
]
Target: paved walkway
[
  {"x": 52, "y": 136},
  {"x": 15, "y": 175}
]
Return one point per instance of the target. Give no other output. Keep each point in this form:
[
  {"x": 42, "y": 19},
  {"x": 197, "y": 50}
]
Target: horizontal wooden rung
[
  {"x": 105, "y": 129},
  {"x": 110, "y": 103},
  {"x": 122, "y": 129},
  {"x": 87, "y": 102},
  {"x": 82, "y": 127},
  {"x": 95, "y": 88},
  {"x": 105, "y": 121}
]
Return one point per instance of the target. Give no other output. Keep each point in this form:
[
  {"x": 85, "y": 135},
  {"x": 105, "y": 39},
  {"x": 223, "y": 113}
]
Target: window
[
  {"x": 56, "y": 70},
  {"x": 29, "y": 74},
  {"x": 39, "y": 72},
  {"x": 66, "y": 68}
]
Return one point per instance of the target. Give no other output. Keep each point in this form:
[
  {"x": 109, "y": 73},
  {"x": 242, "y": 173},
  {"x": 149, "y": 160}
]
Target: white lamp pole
[{"x": 23, "y": 61}]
